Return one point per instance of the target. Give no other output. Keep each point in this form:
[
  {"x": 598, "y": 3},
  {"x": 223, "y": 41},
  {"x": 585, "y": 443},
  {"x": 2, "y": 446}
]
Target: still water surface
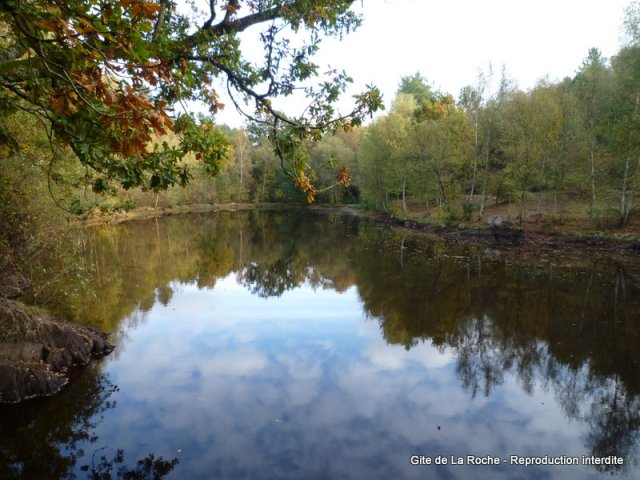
[{"x": 288, "y": 345}]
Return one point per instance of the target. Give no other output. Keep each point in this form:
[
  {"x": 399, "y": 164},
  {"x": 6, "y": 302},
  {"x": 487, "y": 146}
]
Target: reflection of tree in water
[
  {"x": 575, "y": 386},
  {"x": 480, "y": 365},
  {"x": 553, "y": 327},
  {"x": 612, "y": 414},
  {"x": 274, "y": 279},
  {"x": 108, "y": 468},
  {"x": 130, "y": 267},
  {"x": 42, "y": 438},
  {"x": 614, "y": 421},
  {"x": 535, "y": 322},
  {"x": 570, "y": 329},
  {"x": 165, "y": 294}
]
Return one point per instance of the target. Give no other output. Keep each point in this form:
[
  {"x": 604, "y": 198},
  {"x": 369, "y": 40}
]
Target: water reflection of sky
[{"x": 304, "y": 386}]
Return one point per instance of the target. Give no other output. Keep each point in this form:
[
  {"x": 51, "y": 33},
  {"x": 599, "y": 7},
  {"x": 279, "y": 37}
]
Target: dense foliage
[
  {"x": 90, "y": 94},
  {"x": 571, "y": 142},
  {"x": 95, "y": 100},
  {"x": 104, "y": 78},
  {"x": 572, "y": 145}
]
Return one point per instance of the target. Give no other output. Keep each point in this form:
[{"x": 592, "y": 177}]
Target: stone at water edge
[{"x": 37, "y": 349}]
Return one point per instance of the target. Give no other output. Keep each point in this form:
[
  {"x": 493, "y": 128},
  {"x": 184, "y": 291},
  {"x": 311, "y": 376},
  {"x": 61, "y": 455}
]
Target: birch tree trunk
[
  {"x": 485, "y": 175},
  {"x": 475, "y": 160},
  {"x": 593, "y": 169},
  {"x": 625, "y": 206},
  {"x": 404, "y": 196}
]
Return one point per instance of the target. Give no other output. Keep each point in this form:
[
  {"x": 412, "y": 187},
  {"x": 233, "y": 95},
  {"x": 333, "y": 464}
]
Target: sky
[{"x": 450, "y": 41}]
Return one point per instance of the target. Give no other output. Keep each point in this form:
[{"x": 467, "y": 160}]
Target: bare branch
[
  {"x": 212, "y": 15},
  {"x": 235, "y": 26}
]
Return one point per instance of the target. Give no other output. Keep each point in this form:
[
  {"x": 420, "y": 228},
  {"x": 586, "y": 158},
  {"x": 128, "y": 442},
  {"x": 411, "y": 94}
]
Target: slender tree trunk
[
  {"x": 623, "y": 194},
  {"x": 593, "y": 169},
  {"x": 381, "y": 192},
  {"x": 523, "y": 198},
  {"x": 558, "y": 206},
  {"x": 443, "y": 191},
  {"x": 630, "y": 203},
  {"x": 404, "y": 196},
  {"x": 243, "y": 149},
  {"x": 264, "y": 181},
  {"x": 624, "y": 206},
  {"x": 241, "y": 165},
  {"x": 485, "y": 175},
  {"x": 475, "y": 161},
  {"x": 546, "y": 185}
]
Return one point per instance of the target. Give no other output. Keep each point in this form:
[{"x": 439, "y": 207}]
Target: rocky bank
[{"x": 36, "y": 349}]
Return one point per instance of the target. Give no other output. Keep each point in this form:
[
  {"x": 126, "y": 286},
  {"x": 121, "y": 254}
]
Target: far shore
[{"x": 533, "y": 233}]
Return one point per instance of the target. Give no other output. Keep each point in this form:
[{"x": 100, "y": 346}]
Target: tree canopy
[{"x": 104, "y": 78}]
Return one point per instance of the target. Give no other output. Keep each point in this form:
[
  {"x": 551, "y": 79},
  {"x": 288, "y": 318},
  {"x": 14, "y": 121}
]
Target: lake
[{"x": 286, "y": 344}]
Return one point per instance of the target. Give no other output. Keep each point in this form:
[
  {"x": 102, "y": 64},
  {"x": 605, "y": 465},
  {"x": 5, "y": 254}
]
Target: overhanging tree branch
[{"x": 110, "y": 75}]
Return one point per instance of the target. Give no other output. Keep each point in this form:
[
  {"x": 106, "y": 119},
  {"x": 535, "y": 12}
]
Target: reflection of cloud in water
[
  {"x": 312, "y": 394},
  {"x": 381, "y": 354},
  {"x": 243, "y": 362}
]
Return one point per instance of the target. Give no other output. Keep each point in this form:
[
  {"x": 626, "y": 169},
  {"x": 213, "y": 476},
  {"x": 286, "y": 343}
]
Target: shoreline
[
  {"x": 527, "y": 235},
  {"x": 29, "y": 336},
  {"x": 524, "y": 237}
]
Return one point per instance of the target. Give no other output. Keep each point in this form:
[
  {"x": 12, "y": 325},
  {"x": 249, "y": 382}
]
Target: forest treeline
[
  {"x": 573, "y": 142},
  {"x": 572, "y": 147}
]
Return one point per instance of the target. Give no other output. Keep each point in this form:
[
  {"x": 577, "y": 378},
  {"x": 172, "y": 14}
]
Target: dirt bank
[{"x": 527, "y": 236}]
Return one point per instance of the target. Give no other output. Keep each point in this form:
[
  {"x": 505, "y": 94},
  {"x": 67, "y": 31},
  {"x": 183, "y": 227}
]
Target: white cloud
[{"x": 449, "y": 41}]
